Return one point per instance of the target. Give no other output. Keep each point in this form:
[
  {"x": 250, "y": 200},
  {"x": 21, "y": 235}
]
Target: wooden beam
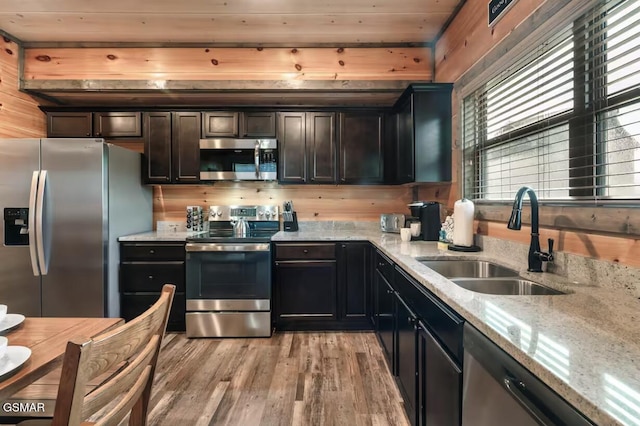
[
  {"x": 229, "y": 86},
  {"x": 218, "y": 45}
]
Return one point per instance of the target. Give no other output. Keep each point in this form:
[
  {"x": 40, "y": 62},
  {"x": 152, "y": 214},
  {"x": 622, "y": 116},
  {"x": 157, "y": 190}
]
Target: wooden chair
[{"x": 135, "y": 347}]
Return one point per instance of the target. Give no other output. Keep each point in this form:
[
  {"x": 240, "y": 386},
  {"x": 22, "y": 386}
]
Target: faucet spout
[{"x": 536, "y": 257}]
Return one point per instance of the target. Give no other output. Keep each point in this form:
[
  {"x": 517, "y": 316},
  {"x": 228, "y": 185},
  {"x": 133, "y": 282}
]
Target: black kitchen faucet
[{"x": 536, "y": 257}]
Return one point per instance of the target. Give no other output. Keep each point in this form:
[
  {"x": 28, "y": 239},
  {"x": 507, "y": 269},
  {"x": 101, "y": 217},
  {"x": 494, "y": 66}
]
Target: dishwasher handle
[{"x": 514, "y": 386}]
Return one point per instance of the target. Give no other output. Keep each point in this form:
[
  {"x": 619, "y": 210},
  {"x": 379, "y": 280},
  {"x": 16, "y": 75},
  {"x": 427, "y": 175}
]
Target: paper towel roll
[{"x": 463, "y": 211}]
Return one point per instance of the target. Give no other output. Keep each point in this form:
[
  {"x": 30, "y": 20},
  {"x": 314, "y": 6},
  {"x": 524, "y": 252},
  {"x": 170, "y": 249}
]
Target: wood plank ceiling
[{"x": 233, "y": 22}]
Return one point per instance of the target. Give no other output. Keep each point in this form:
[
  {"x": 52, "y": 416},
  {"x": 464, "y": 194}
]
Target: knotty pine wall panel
[
  {"x": 19, "y": 113},
  {"x": 402, "y": 63},
  {"x": 312, "y": 202}
]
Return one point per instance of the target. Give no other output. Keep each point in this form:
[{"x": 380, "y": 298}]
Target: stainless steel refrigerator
[{"x": 65, "y": 202}]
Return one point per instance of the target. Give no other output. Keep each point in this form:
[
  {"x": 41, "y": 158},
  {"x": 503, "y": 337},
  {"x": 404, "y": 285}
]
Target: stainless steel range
[{"x": 228, "y": 273}]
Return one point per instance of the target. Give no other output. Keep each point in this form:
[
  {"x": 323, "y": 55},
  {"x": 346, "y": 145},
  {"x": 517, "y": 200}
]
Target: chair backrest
[{"x": 132, "y": 350}]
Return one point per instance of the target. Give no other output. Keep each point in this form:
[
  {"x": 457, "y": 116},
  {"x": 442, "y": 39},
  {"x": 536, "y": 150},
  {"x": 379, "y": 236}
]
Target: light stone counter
[
  {"x": 585, "y": 345},
  {"x": 155, "y": 236}
]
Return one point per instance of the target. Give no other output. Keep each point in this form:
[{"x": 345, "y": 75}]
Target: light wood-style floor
[{"x": 293, "y": 378}]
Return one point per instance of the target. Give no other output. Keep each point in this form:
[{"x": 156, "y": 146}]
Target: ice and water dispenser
[{"x": 16, "y": 226}]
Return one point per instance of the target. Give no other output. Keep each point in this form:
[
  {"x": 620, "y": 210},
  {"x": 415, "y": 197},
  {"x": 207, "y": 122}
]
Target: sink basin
[
  {"x": 468, "y": 269},
  {"x": 505, "y": 286}
]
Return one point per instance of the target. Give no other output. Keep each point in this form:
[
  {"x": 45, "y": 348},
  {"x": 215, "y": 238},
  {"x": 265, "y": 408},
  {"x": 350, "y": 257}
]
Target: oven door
[{"x": 228, "y": 277}]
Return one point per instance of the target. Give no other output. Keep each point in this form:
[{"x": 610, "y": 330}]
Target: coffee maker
[{"x": 427, "y": 213}]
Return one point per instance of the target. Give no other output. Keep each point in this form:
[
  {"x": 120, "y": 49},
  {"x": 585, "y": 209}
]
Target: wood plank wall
[
  {"x": 19, "y": 113},
  {"x": 311, "y": 202},
  {"x": 467, "y": 40},
  {"x": 401, "y": 63}
]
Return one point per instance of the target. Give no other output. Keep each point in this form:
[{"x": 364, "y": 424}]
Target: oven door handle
[{"x": 217, "y": 247}]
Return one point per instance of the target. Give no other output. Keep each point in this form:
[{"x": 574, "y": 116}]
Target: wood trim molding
[
  {"x": 97, "y": 44},
  {"x": 219, "y": 85},
  {"x": 622, "y": 221}
]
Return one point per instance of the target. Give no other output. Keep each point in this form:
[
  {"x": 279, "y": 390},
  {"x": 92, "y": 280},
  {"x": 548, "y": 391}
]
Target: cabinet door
[
  {"x": 157, "y": 147},
  {"x": 186, "y": 147},
  {"x": 291, "y": 147},
  {"x": 386, "y": 319},
  {"x": 117, "y": 124},
  {"x": 258, "y": 124},
  {"x": 406, "y": 334},
  {"x": 405, "y": 143},
  {"x": 440, "y": 383},
  {"x": 353, "y": 281},
  {"x": 306, "y": 290},
  {"x": 69, "y": 125},
  {"x": 321, "y": 146},
  {"x": 432, "y": 129},
  {"x": 361, "y": 147},
  {"x": 220, "y": 124}
]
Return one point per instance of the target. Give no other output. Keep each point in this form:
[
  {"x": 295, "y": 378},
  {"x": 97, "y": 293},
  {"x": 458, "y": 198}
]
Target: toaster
[{"x": 391, "y": 222}]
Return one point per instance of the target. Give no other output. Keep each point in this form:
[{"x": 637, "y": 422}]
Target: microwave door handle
[
  {"x": 32, "y": 223},
  {"x": 257, "y": 158}
]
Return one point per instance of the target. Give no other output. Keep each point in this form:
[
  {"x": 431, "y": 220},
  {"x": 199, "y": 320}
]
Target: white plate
[
  {"x": 13, "y": 359},
  {"x": 10, "y": 321}
]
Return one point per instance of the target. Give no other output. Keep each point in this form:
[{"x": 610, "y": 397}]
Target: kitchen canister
[{"x": 463, "y": 211}]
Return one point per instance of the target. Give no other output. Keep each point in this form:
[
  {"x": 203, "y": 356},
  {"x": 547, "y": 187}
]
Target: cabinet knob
[
  {"x": 152, "y": 251},
  {"x": 344, "y": 246},
  {"x": 305, "y": 251},
  {"x": 150, "y": 277},
  {"x": 88, "y": 134},
  {"x": 98, "y": 134}
]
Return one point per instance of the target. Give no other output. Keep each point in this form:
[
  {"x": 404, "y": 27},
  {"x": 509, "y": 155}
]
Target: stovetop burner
[{"x": 226, "y": 236}]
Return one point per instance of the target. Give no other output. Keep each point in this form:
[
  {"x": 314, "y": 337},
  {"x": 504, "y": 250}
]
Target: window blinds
[{"x": 564, "y": 118}]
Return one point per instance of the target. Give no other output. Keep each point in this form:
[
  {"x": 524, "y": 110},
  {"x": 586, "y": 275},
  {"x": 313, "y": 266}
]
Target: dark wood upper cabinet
[
  {"x": 157, "y": 147},
  {"x": 423, "y": 136},
  {"x": 220, "y": 124},
  {"x": 186, "y": 147},
  {"x": 69, "y": 125},
  {"x": 97, "y": 124},
  {"x": 117, "y": 124},
  {"x": 321, "y": 147},
  {"x": 361, "y": 147},
  {"x": 292, "y": 147},
  {"x": 258, "y": 124},
  {"x": 404, "y": 170}
]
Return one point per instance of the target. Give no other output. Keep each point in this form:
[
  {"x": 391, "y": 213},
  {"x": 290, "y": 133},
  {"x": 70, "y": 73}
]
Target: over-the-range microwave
[{"x": 238, "y": 159}]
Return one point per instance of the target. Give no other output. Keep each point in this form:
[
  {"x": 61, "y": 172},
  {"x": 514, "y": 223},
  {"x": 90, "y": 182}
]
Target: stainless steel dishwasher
[{"x": 498, "y": 391}]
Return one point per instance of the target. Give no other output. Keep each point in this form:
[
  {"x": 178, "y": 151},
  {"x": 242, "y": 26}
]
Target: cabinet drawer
[
  {"x": 305, "y": 251},
  {"x": 132, "y": 305},
  {"x": 384, "y": 265},
  {"x": 151, "y": 276},
  {"x": 132, "y": 252}
]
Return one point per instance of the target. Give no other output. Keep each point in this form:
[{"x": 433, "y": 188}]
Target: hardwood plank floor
[{"x": 293, "y": 378}]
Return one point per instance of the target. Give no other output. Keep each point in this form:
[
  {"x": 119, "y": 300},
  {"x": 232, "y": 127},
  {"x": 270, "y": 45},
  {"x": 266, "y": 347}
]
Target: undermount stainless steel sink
[
  {"x": 468, "y": 269},
  {"x": 505, "y": 286}
]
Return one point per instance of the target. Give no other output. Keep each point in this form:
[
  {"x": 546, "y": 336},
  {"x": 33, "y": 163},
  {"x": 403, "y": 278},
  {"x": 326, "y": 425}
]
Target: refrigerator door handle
[
  {"x": 32, "y": 223},
  {"x": 43, "y": 261}
]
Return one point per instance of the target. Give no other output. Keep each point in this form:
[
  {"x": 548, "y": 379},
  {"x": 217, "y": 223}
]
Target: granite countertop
[
  {"x": 155, "y": 236},
  {"x": 585, "y": 345}
]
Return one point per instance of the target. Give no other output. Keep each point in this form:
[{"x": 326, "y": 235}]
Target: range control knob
[
  {"x": 261, "y": 213},
  {"x": 219, "y": 213}
]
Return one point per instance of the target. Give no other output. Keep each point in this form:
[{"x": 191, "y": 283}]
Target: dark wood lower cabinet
[
  {"x": 407, "y": 338},
  {"x": 385, "y": 319},
  {"x": 439, "y": 383},
  {"x": 322, "y": 286},
  {"x": 305, "y": 291},
  {"x": 144, "y": 269}
]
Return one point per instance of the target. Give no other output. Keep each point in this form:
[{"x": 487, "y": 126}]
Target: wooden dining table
[{"x": 47, "y": 338}]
